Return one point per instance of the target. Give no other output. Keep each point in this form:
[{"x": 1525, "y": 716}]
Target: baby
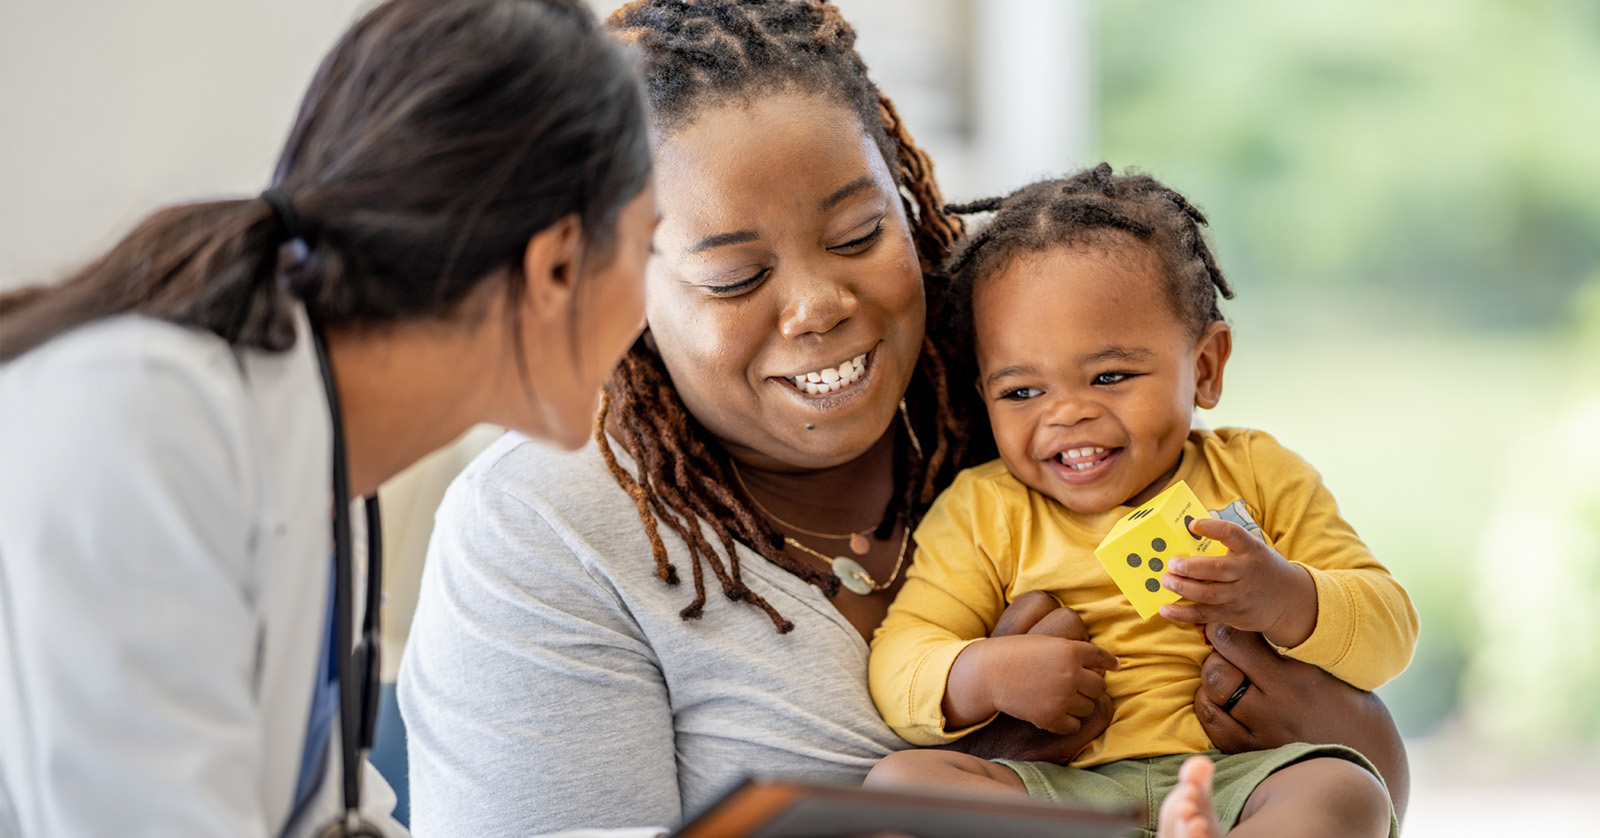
[{"x": 1093, "y": 304}]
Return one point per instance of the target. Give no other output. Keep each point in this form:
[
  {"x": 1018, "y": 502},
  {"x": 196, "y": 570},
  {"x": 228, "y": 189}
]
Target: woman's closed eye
[
  {"x": 737, "y": 287},
  {"x": 854, "y": 246}
]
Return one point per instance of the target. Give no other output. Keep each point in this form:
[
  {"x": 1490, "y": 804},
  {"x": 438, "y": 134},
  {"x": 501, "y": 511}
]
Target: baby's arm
[
  {"x": 935, "y": 673},
  {"x": 1052, "y": 682},
  {"x": 1363, "y": 627}
]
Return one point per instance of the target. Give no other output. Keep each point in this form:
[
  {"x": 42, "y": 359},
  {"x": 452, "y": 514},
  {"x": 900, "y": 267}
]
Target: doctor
[{"x": 456, "y": 233}]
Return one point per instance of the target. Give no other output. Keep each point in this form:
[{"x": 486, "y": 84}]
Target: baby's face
[{"x": 1089, "y": 377}]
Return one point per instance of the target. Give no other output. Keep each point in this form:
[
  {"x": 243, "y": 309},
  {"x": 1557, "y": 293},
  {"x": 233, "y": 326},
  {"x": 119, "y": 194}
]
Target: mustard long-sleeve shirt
[{"x": 989, "y": 538}]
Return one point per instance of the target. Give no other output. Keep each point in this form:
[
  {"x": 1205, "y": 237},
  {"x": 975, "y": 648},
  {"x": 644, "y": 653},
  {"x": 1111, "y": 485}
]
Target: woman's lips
[
  {"x": 832, "y": 383},
  {"x": 828, "y": 379}
]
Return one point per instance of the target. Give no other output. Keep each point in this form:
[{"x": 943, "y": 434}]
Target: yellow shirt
[{"x": 989, "y": 538}]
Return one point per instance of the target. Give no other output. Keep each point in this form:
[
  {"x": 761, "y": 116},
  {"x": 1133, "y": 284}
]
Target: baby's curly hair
[{"x": 1095, "y": 208}]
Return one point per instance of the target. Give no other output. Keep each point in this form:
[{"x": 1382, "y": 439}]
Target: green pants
[{"x": 1146, "y": 782}]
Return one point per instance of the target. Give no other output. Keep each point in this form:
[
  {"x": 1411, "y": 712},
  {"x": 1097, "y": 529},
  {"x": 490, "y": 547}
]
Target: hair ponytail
[{"x": 208, "y": 265}]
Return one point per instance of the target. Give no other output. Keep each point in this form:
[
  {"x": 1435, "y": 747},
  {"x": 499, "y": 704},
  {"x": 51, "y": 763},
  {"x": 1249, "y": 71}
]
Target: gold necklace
[
  {"x": 858, "y": 540},
  {"x": 850, "y": 573}
]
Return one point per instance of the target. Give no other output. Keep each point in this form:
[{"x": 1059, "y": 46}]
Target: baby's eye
[
  {"x": 1108, "y": 378},
  {"x": 1021, "y": 393}
]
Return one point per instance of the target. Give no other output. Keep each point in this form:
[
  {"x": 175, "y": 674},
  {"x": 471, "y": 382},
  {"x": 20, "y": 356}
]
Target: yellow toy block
[{"x": 1137, "y": 549}]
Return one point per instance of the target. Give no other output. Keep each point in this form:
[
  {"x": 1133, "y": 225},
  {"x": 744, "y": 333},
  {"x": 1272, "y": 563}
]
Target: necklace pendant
[
  {"x": 853, "y": 576},
  {"x": 859, "y": 544}
]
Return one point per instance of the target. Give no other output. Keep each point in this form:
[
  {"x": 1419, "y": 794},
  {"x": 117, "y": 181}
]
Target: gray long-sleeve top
[{"x": 550, "y": 683}]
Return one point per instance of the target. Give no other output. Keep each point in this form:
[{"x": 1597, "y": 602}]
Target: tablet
[{"x": 765, "y": 807}]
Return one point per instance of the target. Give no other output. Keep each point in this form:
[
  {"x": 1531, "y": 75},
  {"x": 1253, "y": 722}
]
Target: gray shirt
[{"x": 550, "y": 683}]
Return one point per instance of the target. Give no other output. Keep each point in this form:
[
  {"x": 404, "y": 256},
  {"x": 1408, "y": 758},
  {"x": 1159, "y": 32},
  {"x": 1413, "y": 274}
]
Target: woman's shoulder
[
  {"x": 545, "y": 476},
  {"x": 522, "y": 491},
  {"x": 122, "y": 353},
  {"x": 126, "y": 376}
]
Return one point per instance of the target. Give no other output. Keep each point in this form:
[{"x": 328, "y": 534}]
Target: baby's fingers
[
  {"x": 1092, "y": 657},
  {"x": 1232, "y": 536},
  {"x": 1205, "y": 568}
]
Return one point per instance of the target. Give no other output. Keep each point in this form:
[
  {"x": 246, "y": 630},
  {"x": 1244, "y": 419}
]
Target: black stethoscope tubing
[{"x": 358, "y": 663}]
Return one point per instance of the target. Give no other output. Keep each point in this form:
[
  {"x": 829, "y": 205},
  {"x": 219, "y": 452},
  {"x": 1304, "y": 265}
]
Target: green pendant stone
[{"x": 852, "y": 575}]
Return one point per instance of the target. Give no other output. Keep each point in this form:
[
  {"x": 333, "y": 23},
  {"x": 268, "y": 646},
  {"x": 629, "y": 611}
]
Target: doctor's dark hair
[
  {"x": 1094, "y": 208},
  {"x": 701, "y": 54},
  {"x": 436, "y": 138}
]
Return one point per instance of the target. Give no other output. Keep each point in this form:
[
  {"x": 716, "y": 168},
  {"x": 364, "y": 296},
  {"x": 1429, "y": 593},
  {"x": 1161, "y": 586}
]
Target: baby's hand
[
  {"x": 1253, "y": 588},
  {"x": 1049, "y": 681}
]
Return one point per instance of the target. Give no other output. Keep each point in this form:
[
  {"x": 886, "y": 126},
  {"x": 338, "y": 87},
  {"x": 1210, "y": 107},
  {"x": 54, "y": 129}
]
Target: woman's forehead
[{"x": 778, "y": 153}]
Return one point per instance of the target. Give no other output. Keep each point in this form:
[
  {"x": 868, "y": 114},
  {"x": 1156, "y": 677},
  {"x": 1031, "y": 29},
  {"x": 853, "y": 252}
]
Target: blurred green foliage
[
  {"x": 1407, "y": 198},
  {"x": 1444, "y": 150}
]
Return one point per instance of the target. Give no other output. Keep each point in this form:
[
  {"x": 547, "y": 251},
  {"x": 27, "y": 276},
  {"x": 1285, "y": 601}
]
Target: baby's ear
[{"x": 1210, "y": 359}]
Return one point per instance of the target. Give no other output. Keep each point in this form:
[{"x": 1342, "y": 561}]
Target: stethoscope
[{"x": 358, "y": 662}]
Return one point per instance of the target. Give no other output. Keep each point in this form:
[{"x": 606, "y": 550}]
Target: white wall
[{"x": 110, "y": 108}]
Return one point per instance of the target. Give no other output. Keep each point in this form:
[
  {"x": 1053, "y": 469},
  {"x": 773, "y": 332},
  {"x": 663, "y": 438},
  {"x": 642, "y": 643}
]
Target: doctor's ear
[
  {"x": 550, "y": 268},
  {"x": 1210, "y": 359}
]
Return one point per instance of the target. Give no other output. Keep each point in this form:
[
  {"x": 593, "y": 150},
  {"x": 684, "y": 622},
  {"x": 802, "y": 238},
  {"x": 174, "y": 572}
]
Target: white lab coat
[{"x": 165, "y": 542}]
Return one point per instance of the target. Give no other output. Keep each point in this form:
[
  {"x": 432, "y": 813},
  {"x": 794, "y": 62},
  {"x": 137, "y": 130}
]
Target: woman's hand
[
  {"x": 1007, "y": 737},
  {"x": 1287, "y": 701}
]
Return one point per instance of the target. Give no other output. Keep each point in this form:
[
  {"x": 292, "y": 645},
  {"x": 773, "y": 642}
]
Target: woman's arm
[
  {"x": 1291, "y": 701},
  {"x": 532, "y": 701}
]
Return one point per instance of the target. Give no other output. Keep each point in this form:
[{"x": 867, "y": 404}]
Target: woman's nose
[{"x": 816, "y": 305}]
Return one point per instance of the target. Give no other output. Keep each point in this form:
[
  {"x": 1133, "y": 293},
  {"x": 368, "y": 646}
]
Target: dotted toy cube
[{"x": 1137, "y": 549}]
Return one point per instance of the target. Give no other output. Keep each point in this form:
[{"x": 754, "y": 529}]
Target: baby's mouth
[
  {"x": 826, "y": 380},
  {"x": 1082, "y": 459}
]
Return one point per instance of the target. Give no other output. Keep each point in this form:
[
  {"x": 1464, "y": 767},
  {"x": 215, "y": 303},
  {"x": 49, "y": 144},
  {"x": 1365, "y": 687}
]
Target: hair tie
[{"x": 288, "y": 219}]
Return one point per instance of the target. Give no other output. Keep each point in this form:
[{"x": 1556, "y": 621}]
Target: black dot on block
[
  {"x": 1158, "y": 545},
  {"x": 1156, "y": 565},
  {"x": 1134, "y": 560},
  {"x": 1188, "y": 523},
  {"x": 1152, "y": 585}
]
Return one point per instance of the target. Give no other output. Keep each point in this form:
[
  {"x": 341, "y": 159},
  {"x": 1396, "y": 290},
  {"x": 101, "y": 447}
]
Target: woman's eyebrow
[
  {"x": 843, "y": 192},
  {"x": 720, "y": 239}
]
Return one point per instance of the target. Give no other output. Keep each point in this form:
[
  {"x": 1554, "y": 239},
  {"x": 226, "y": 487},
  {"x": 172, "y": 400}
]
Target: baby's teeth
[
  {"x": 830, "y": 375},
  {"x": 813, "y": 377}
]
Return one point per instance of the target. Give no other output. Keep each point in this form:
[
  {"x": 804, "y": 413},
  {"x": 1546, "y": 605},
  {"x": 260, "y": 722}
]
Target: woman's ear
[
  {"x": 1210, "y": 358},
  {"x": 550, "y": 266}
]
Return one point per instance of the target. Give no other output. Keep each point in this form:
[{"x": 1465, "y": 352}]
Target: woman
[
  {"x": 466, "y": 187},
  {"x": 614, "y": 636}
]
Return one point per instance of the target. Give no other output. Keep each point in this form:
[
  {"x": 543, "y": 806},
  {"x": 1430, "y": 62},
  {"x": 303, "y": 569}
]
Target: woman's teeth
[
  {"x": 833, "y": 378},
  {"x": 1088, "y": 457}
]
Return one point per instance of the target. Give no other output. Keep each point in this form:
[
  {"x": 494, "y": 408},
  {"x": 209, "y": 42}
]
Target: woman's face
[{"x": 785, "y": 297}]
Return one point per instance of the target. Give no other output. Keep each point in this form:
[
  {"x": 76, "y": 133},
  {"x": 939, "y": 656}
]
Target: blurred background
[{"x": 1406, "y": 197}]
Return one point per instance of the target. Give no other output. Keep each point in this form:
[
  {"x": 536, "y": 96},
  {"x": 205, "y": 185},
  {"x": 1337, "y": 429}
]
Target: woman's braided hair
[
  {"x": 697, "y": 54},
  {"x": 1093, "y": 208}
]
